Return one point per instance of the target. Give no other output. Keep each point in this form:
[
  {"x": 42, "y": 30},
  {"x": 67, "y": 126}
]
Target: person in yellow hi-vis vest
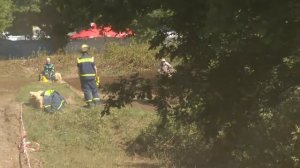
[{"x": 87, "y": 72}]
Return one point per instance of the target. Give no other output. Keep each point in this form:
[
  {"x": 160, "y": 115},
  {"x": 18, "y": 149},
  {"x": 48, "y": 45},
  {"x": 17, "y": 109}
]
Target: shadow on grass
[
  {"x": 172, "y": 143},
  {"x": 173, "y": 147}
]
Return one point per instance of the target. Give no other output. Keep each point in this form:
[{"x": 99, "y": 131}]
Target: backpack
[{"x": 52, "y": 101}]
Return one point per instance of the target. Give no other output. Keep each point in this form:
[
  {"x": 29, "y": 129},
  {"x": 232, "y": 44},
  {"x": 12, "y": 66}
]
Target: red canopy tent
[{"x": 96, "y": 32}]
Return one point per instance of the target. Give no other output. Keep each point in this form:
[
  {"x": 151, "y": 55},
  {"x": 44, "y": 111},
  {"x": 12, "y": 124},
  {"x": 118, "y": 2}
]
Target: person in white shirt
[{"x": 166, "y": 68}]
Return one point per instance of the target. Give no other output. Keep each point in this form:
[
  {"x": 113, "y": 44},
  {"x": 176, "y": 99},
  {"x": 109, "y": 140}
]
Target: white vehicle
[{"x": 15, "y": 38}]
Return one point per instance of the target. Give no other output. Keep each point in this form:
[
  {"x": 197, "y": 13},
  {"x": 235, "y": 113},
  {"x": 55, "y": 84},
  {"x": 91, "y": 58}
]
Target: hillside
[{"x": 74, "y": 137}]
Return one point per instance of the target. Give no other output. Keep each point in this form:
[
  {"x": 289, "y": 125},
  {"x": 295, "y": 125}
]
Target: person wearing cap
[
  {"x": 49, "y": 70},
  {"x": 166, "y": 68},
  {"x": 87, "y": 72}
]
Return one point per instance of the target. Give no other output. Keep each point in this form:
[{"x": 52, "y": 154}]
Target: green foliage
[
  {"x": 25, "y": 15},
  {"x": 27, "y": 5},
  {"x": 6, "y": 17},
  {"x": 239, "y": 63},
  {"x": 146, "y": 26}
]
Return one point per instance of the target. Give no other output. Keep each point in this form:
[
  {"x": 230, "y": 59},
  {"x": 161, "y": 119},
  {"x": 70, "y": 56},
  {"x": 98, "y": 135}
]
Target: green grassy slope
[{"x": 78, "y": 137}]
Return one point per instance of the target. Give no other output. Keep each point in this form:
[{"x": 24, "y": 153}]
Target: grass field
[{"x": 77, "y": 138}]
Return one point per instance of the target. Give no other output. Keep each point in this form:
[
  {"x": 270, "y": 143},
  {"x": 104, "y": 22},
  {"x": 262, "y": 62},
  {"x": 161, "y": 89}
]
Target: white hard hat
[
  {"x": 163, "y": 60},
  {"x": 48, "y": 59},
  {"x": 84, "y": 47}
]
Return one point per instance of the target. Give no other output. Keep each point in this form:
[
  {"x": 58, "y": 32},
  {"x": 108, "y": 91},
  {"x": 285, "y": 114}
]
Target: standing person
[
  {"x": 49, "y": 70},
  {"x": 87, "y": 71}
]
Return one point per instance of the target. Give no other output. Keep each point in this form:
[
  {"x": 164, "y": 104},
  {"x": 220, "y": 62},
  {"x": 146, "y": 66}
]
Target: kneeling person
[{"x": 48, "y": 71}]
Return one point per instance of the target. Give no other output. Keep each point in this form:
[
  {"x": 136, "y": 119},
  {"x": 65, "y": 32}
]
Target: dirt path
[{"x": 9, "y": 123}]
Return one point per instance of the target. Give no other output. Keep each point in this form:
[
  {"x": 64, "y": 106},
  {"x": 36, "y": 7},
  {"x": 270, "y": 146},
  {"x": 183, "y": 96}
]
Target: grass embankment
[
  {"x": 78, "y": 137},
  {"x": 116, "y": 60}
]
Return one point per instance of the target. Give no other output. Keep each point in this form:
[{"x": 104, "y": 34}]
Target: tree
[
  {"x": 6, "y": 14},
  {"x": 238, "y": 79},
  {"x": 24, "y": 14}
]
